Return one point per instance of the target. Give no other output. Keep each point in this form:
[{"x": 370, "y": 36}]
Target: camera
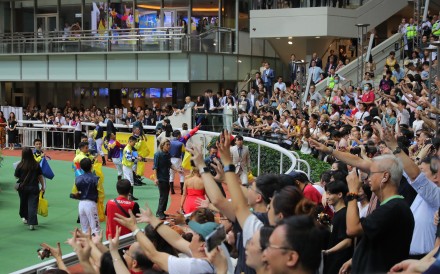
[
  {"x": 211, "y": 161},
  {"x": 43, "y": 253},
  {"x": 74, "y": 196}
]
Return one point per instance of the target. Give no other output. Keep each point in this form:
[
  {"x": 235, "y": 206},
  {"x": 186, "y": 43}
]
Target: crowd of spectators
[{"x": 375, "y": 211}]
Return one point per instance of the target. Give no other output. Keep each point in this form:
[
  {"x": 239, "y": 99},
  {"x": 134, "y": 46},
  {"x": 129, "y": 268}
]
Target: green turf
[{"x": 19, "y": 244}]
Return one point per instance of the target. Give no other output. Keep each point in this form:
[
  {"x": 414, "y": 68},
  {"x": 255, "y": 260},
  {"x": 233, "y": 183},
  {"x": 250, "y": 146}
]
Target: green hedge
[{"x": 270, "y": 161}]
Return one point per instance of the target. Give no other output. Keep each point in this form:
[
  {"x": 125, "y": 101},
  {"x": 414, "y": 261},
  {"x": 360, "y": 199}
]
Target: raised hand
[
  {"x": 196, "y": 155},
  {"x": 318, "y": 146},
  {"x": 54, "y": 251},
  {"x": 353, "y": 182},
  {"x": 223, "y": 146},
  {"x": 202, "y": 203},
  {"x": 128, "y": 222},
  {"x": 220, "y": 176},
  {"x": 97, "y": 238},
  {"x": 114, "y": 242},
  {"x": 146, "y": 215}
]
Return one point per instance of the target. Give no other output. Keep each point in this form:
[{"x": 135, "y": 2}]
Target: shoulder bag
[{"x": 19, "y": 184}]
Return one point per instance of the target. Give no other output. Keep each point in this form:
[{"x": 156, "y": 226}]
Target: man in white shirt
[
  {"x": 315, "y": 71},
  {"x": 402, "y": 112},
  {"x": 280, "y": 84},
  {"x": 224, "y": 100},
  {"x": 361, "y": 114}
]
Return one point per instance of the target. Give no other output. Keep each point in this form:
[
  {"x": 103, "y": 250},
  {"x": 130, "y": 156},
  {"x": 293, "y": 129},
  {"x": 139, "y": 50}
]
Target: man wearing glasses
[
  {"x": 387, "y": 231},
  {"x": 294, "y": 246}
]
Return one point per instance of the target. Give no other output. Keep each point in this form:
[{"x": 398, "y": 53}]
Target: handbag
[
  {"x": 43, "y": 205},
  {"x": 45, "y": 168},
  {"x": 19, "y": 184}
]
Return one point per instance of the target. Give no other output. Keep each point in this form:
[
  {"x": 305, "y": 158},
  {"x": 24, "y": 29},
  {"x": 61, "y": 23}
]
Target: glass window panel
[
  {"x": 147, "y": 14},
  {"x": 24, "y": 16},
  {"x": 204, "y": 16},
  {"x": 47, "y": 6},
  {"x": 70, "y": 14},
  {"x": 121, "y": 15},
  {"x": 176, "y": 3}
]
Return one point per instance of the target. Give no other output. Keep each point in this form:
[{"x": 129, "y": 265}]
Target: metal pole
[
  {"x": 258, "y": 160},
  {"x": 362, "y": 29},
  {"x": 437, "y": 117}
]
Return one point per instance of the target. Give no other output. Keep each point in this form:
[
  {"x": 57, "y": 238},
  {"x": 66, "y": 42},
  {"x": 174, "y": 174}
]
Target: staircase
[{"x": 379, "y": 53}]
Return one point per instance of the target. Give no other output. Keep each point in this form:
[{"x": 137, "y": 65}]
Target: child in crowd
[
  {"x": 84, "y": 139},
  {"x": 92, "y": 144},
  {"x": 87, "y": 185},
  {"x": 115, "y": 154},
  {"x": 39, "y": 154},
  {"x": 128, "y": 160},
  {"x": 121, "y": 205}
]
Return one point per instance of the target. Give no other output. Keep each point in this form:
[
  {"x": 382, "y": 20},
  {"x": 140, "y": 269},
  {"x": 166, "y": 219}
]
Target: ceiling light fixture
[{"x": 290, "y": 42}]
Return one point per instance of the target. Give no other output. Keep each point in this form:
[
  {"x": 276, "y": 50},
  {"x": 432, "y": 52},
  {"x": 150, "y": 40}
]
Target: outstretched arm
[{"x": 346, "y": 157}]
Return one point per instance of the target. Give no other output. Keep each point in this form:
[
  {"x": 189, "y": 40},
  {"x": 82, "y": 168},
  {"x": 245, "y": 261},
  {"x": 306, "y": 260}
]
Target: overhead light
[
  {"x": 239, "y": 61},
  {"x": 290, "y": 42},
  {"x": 278, "y": 38},
  {"x": 214, "y": 44},
  {"x": 290, "y": 37},
  {"x": 317, "y": 37}
]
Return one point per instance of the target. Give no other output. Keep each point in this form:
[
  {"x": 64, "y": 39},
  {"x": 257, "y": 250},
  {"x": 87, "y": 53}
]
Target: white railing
[
  {"x": 379, "y": 53},
  {"x": 30, "y": 133}
]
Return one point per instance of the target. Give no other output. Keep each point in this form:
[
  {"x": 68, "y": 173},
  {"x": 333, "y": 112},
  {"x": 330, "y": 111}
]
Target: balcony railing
[
  {"x": 216, "y": 40},
  {"x": 281, "y": 4}
]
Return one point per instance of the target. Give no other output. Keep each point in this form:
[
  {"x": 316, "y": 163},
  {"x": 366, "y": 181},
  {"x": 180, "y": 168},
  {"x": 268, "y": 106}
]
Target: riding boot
[
  {"x": 131, "y": 196},
  {"x": 103, "y": 160},
  {"x": 181, "y": 188},
  {"x": 172, "y": 188}
]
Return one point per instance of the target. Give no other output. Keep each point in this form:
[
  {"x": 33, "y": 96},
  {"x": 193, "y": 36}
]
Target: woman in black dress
[
  {"x": 12, "y": 131},
  {"x": 29, "y": 173}
]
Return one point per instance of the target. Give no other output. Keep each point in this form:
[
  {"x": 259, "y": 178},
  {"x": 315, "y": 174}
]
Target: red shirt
[
  {"x": 368, "y": 97},
  {"x": 311, "y": 193},
  {"x": 110, "y": 211}
]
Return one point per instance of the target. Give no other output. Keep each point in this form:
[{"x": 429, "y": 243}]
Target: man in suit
[
  {"x": 293, "y": 68},
  {"x": 331, "y": 64},
  {"x": 252, "y": 96},
  {"x": 317, "y": 60},
  {"x": 241, "y": 159},
  {"x": 268, "y": 76},
  {"x": 211, "y": 107},
  {"x": 257, "y": 80}
]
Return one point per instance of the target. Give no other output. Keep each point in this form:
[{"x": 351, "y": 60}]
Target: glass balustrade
[{"x": 215, "y": 40}]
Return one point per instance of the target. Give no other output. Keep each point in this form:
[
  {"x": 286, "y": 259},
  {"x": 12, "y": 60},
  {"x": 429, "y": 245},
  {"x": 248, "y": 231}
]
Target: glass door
[{"x": 46, "y": 28}]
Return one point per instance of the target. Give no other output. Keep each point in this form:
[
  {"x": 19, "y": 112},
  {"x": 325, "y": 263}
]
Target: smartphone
[{"x": 215, "y": 238}]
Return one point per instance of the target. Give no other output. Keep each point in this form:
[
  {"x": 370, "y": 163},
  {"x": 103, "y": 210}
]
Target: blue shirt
[
  {"x": 423, "y": 209},
  {"x": 162, "y": 165},
  {"x": 87, "y": 185}
]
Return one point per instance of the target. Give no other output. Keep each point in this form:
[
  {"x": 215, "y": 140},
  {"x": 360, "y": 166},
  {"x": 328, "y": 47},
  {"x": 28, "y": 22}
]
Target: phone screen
[{"x": 215, "y": 238}]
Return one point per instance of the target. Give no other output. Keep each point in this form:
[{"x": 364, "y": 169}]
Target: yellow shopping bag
[{"x": 43, "y": 205}]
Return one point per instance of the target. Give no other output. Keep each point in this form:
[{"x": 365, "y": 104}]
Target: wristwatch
[
  {"x": 397, "y": 150},
  {"x": 229, "y": 168},
  {"x": 204, "y": 169}
]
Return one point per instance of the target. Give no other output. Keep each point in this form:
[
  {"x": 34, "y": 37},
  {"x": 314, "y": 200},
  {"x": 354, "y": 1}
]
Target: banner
[{"x": 122, "y": 138}]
